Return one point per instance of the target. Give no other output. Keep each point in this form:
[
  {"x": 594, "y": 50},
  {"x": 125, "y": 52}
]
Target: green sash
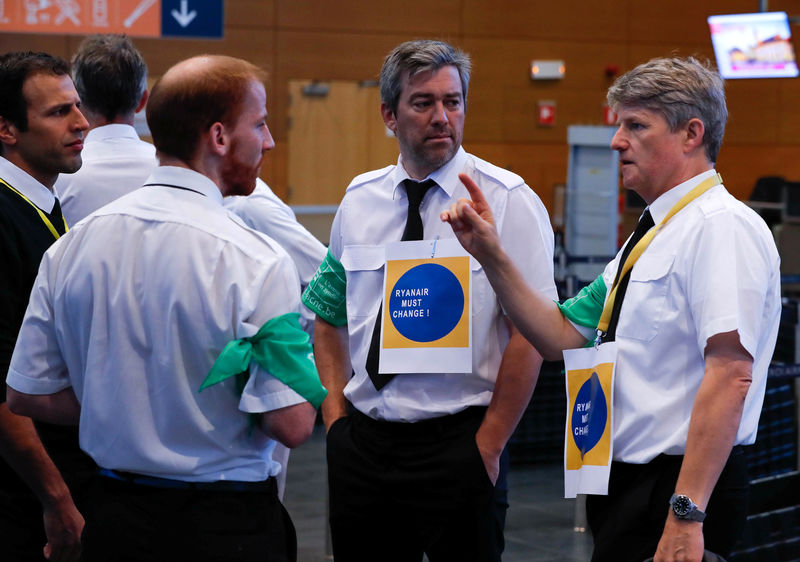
[{"x": 282, "y": 348}]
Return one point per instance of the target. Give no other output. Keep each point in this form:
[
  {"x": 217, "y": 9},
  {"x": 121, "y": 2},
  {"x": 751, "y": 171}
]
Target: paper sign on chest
[{"x": 426, "y": 314}]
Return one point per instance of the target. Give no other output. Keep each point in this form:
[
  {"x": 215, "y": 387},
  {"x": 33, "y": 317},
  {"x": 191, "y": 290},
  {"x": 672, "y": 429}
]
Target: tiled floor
[{"x": 539, "y": 527}]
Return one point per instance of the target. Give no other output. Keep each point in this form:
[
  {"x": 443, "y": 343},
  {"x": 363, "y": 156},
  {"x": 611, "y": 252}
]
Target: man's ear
[
  {"x": 8, "y": 132},
  {"x": 218, "y": 139},
  {"x": 389, "y": 117},
  {"x": 695, "y": 130}
]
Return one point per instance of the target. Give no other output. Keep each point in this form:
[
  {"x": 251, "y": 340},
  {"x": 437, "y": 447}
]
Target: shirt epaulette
[
  {"x": 506, "y": 178},
  {"x": 366, "y": 177}
]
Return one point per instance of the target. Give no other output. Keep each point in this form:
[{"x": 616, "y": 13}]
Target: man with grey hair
[
  {"x": 694, "y": 319},
  {"x": 416, "y": 461},
  {"x": 111, "y": 78}
]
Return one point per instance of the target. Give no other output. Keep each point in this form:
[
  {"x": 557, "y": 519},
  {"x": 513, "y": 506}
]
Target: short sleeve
[
  {"x": 729, "y": 279},
  {"x": 37, "y": 365},
  {"x": 528, "y": 239}
]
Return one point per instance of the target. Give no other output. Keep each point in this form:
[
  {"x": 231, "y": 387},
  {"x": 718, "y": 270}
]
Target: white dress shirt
[
  {"x": 132, "y": 307},
  {"x": 115, "y": 162},
  {"x": 712, "y": 269},
  {"x": 372, "y": 214}
]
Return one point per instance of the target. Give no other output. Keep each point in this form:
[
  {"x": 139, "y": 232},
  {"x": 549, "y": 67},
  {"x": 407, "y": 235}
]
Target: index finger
[{"x": 475, "y": 192}]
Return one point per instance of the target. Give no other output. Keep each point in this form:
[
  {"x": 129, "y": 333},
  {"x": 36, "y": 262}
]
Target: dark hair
[
  {"x": 679, "y": 89},
  {"x": 110, "y": 75},
  {"x": 15, "y": 68},
  {"x": 413, "y": 57},
  {"x": 193, "y": 95}
]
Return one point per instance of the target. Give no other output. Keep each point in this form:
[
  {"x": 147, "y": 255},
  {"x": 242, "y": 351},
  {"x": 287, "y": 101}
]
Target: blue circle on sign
[
  {"x": 589, "y": 415},
  {"x": 426, "y": 303}
]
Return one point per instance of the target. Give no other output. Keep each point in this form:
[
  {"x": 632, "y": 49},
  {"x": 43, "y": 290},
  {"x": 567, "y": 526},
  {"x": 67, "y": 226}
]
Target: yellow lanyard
[
  {"x": 641, "y": 246},
  {"x": 42, "y": 216}
]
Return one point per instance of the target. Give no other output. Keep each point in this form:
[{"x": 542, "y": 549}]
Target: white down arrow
[{"x": 184, "y": 17}]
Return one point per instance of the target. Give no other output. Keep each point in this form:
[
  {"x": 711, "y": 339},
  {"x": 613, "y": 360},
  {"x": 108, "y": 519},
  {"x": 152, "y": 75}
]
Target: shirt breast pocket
[
  {"x": 482, "y": 293},
  {"x": 363, "y": 266},
  {"x": 645, "y": 301}
]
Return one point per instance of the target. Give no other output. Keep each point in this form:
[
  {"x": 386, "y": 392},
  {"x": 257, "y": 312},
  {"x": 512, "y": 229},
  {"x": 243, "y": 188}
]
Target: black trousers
[
  {"x": 628, "y": 522},
  {"x": 129, "y": 522},
  {"x": 400, "y": 489}
]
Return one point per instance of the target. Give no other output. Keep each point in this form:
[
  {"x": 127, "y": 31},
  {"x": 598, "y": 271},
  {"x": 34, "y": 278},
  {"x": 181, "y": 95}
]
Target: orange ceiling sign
[{"x": 140, "y": 18}]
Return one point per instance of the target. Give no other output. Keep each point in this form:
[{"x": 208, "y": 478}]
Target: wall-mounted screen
[{"x": 753, "y": 45}]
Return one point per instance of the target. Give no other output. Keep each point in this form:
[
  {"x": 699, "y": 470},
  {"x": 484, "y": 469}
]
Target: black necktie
[
  {"x": 645, "y": 224},
  {"x": 57, "y": 218},
  {"x": 415, "y": 191}
]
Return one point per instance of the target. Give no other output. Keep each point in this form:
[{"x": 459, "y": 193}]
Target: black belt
[{"x": 268, "y": 485}]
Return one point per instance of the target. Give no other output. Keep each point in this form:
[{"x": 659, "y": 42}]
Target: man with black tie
[
  {"x": 41, "y": 135},
  {"x": 416, "y": 464}
]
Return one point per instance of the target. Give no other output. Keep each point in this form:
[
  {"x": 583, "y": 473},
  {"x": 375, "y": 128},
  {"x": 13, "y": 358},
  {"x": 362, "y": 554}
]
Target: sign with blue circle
[
  {"x": 589, "y": 415},
  {"x": 426, "y": 303}
]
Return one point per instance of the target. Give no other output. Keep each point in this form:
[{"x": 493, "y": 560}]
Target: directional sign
[
  {"x": 187, "y": 18},
  {"x": 138, "y": 18}
]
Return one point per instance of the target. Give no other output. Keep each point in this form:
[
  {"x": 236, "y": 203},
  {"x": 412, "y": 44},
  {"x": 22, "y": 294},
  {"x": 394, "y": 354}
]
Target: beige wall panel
[
  {"x": 250, "y": 13},
  {"x": 412, "y": 18},
  {"x": 789, "y": 110},
  {"x": 741, "y": 166},
  {"x": 753, "y": 112},
  {"x": 639, "y": 53},
  {"x": 504, "y": 63},
  {"x": 53, "y": 44},
  {"x": 571, "y": 20},
  {"x": 324, "y": 56},
  {"x": 540, "y": 165},
  {"x": 273, "y": 169},
  {"x": 332, "y": 139},
  {"x": 254, "y": 46},
  {"x": 679, "y": 21}
]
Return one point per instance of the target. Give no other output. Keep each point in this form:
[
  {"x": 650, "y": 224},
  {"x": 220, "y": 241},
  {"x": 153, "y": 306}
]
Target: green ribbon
[
  {"x": 326, "y": 294},
  {"x": 586, "y": 307},
  {"x": 282, "y": 348}
]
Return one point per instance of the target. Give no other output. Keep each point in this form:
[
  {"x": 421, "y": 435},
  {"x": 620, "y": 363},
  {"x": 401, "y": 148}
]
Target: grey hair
[
  {"x": 110, "y": 75},
  {"x": 679, "y": 89},
  {"x": 422, "y": 55}
]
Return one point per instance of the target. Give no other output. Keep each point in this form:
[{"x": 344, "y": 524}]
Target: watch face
[{"x": 681, "y": 505}]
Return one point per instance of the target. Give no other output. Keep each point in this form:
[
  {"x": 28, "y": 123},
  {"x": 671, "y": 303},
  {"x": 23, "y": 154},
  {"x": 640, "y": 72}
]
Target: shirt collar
[
  {"x": 446, "y": 176},
  {"x": 23, "y": 182},
  {"x": 185, "y": 178},
  {"x": 661, "y": 206},
  {"x": 111, "y": 131}
]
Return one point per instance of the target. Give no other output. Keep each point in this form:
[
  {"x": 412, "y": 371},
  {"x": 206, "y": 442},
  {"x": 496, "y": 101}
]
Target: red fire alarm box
[{"x": 547, "y": 113}]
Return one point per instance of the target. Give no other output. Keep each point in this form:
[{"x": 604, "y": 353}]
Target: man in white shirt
[
  {"x": 41, "y": 135},
  {"x": 417, "y": 463},
  {"x": 695, "y": 325},
  {"x": 111, "y": 78},
  {"x": 133, "y": 314}
]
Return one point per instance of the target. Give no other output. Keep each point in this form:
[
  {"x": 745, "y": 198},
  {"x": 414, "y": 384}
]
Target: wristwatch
[{"x": 684, "y": 508}]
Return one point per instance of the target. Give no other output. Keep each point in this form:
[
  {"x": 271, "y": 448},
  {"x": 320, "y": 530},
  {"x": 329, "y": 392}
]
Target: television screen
[{"x": 753, "y": 45}]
